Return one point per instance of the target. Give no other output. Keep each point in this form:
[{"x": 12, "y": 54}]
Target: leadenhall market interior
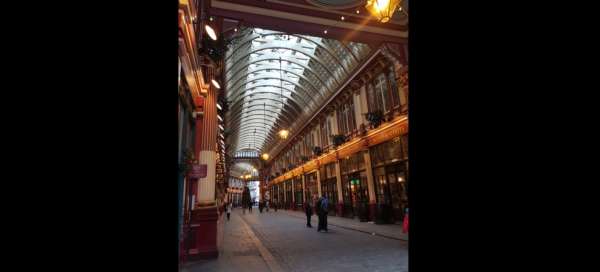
[{"x": 282, "y": 103}]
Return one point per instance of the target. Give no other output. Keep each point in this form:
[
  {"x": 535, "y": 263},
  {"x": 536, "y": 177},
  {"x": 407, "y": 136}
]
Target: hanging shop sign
[{"x": 198, "y": 171}]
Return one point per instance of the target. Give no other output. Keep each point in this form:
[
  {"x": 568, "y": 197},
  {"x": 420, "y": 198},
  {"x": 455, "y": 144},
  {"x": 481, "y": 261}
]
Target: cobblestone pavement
[
  {"x": 294, "y": 247},
  {"x": 238, "y": 251},
  {"x": 387, "y": 230},
  {"x": 304, "y": 249}
]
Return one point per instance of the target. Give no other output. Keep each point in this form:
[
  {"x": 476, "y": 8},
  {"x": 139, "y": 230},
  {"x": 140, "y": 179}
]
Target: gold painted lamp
[{"x": 382, "y": 9}]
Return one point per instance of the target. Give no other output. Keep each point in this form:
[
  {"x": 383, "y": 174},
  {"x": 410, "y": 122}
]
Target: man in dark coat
[
  {"x": 322, "y": 210},
  {"x": 325, "y": 208},
  {"x": 246, "y": 200},
  {"x": 319, "y": 214},
  {"x": 308, "y": 210}
]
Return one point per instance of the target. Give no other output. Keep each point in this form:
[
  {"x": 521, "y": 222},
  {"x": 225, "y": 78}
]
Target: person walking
[
  {"x": 319, "y": 213},
  {"x": 228, "y": 211},
  {"x": 324, "y": 210},
  {"x": 308, "y": 210},
  {"x": 246, "y": 201}
]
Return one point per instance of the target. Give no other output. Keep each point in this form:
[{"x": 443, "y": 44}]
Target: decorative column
[
  {"x": 293, "y": 203},
  {"x": 284, "y": 193},
  {"x": 205, "y": 213},
  {"x": 370, "y": 185},
  {"x": 338, "y": 176},
  {"x": 319, "y": 180},
  {"x": 303, "y": 188}
]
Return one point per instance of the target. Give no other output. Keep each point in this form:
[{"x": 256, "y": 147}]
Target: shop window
[
  {"x": 380, "y": 185},
  {"x": 372, "y": 99},
  {"x": 394, "y": 150},
  {"x": 346, "y": 121},
  {"x": 298, "y": 191},
  {"x": 330, "y": 170},
  {"x": 350, "y": 115},
  {"x": 325, "y": 132},
  {"x": 323, "y": 173},
  {"x": 381, "y": 89}
]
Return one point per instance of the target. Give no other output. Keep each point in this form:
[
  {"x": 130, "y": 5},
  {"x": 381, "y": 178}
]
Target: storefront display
[
  {"x": 310, "y": 184},
  {"x": 298, "y": 192},
  {"x": 329, "y": 186},
  {"x": 389, "y": 162},
  {"x": 354, "y": 186}
]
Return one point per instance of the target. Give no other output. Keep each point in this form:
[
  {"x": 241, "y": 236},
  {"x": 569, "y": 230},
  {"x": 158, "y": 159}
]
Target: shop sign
[{"x": 198, "y": 171}]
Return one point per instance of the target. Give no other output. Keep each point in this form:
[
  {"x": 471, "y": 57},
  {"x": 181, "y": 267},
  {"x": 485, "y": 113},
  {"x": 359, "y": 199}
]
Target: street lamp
[
  {"x": 382, "y": 9},
  {"x": 284, "y": 133}
]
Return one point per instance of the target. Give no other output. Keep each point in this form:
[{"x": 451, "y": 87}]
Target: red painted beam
[
  {"x": 312, "y": 29},
  {"x": 323, "y": 13}
]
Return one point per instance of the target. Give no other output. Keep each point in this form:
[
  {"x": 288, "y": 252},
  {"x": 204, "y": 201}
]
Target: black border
[{"x": 95, "y": 154}]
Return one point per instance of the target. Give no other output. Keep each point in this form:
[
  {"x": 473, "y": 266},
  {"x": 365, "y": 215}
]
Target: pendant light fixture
[
  {"x": 265, "y": 155},
  {"x": 211, "y": 32},
  {"x": 383, "y": 10},
  {"x": 283, "y": 133}
]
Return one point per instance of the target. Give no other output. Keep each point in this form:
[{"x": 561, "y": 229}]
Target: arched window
[{"x": 395, "y": 92}]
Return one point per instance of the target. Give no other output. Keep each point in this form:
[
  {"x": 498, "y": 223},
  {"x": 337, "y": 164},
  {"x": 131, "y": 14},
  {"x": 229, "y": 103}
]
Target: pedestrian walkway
[
  {"x": 393, "y": 231},
  {"x": 280, "y": 241},
  {"x": 240, "y": 250},
  {"x": 302, "y": 249}
]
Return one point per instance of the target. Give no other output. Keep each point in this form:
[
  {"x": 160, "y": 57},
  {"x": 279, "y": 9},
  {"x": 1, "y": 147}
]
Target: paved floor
[
  {"x": 238, "y": 251},
  {"x": 280, "y": 241},
  {"x": 393, "y": 231}
]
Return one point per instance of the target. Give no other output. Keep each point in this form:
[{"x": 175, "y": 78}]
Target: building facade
[{"x": 355, "y": 149}]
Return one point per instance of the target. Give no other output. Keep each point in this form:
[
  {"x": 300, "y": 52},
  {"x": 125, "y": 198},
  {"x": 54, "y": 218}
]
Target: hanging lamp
[
  {"x": 283, "y": 133},
  {"x": 383, "y": 10},
  {"x": 265, "y": 155}
]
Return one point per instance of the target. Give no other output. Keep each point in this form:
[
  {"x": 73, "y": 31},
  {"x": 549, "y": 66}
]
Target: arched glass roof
[{"x": 276, "y": 80}]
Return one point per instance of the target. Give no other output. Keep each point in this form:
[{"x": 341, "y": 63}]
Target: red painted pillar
[{"x": 205, "y": 213}]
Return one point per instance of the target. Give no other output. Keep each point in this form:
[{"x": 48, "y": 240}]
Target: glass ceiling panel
[{"x": 277, "y": 80}]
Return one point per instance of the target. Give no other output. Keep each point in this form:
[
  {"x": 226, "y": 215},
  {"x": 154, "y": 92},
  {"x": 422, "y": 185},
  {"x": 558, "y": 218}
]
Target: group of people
[
  {"x": 322, "y": 208},
  {"x": 261, "y": 205}
]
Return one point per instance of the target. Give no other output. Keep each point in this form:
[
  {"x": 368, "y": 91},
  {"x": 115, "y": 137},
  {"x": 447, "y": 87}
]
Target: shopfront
[
  {"x": 390, "y": 166},
  {"x": 329, "y": 186},
  {"x": 298, "y": 192},
  {"x": 310, "y": 184},
  {"x": 354, "y": 186}
]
